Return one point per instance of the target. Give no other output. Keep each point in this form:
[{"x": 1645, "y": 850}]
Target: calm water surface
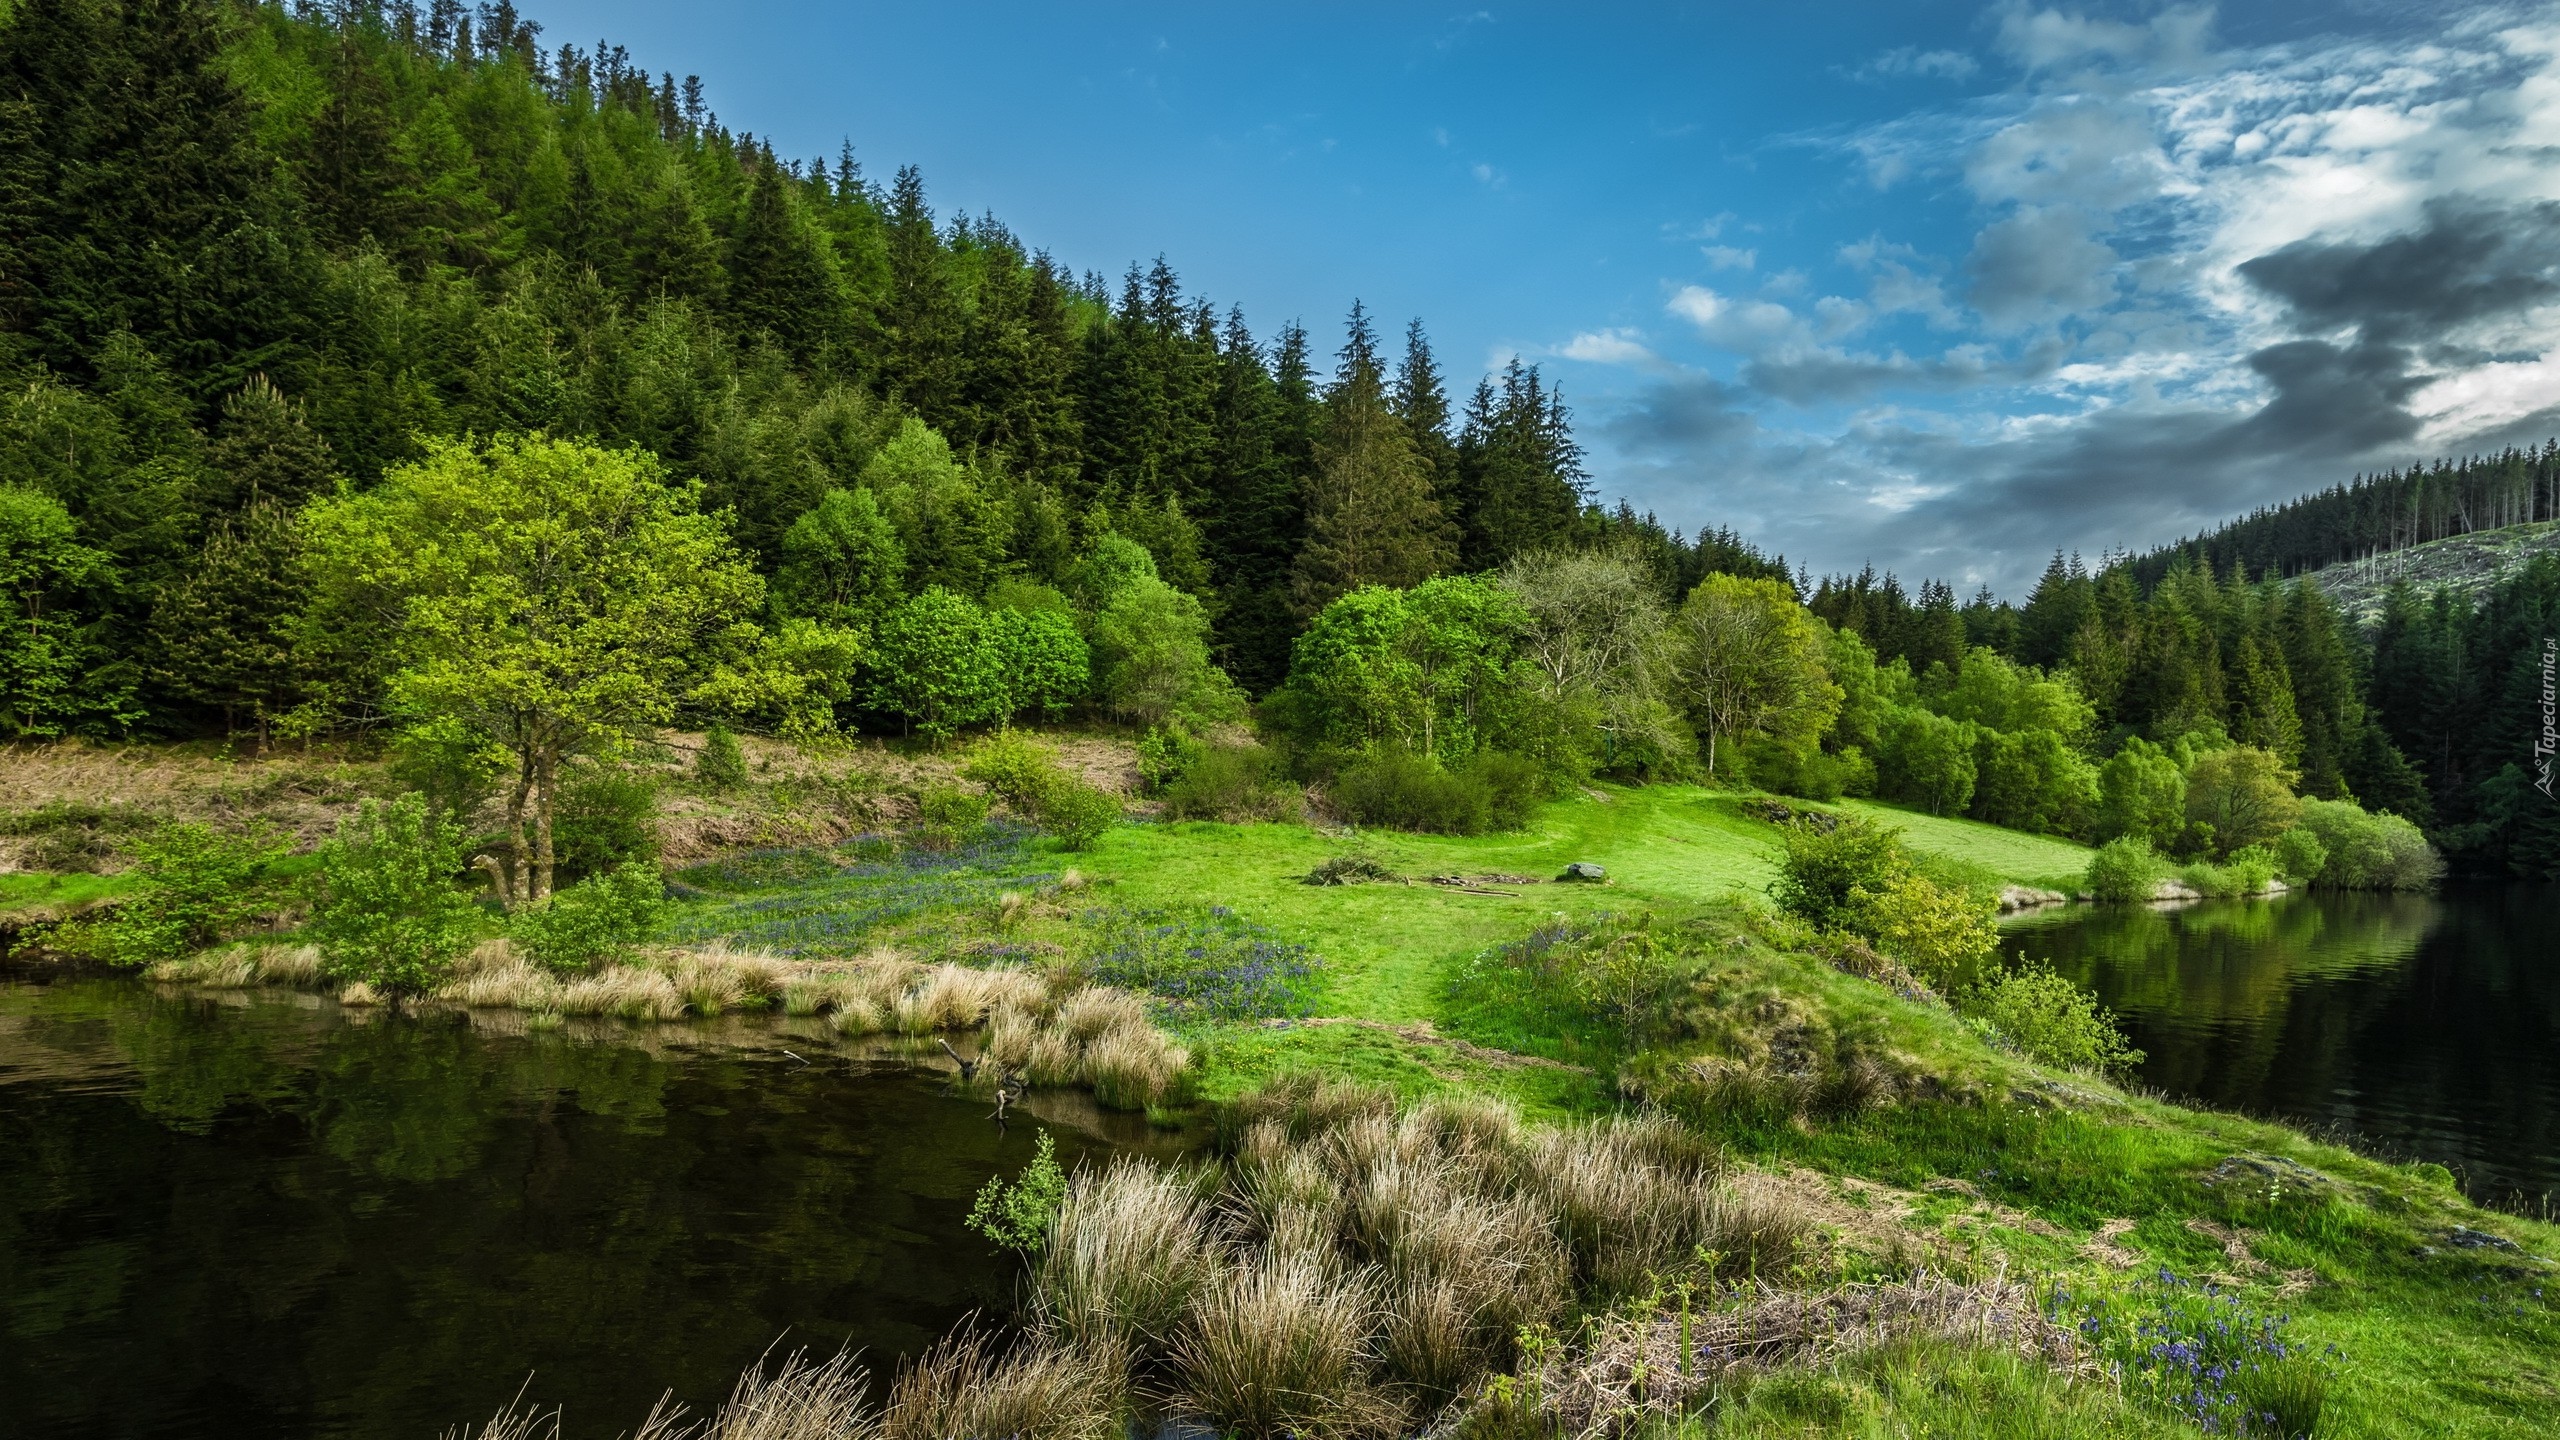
[
  {"x": 2430, "y": 1024},
  {"x": 260, "y": 1215}
]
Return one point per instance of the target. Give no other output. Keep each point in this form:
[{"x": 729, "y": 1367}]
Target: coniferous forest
[{"x": 258, "y": 258}]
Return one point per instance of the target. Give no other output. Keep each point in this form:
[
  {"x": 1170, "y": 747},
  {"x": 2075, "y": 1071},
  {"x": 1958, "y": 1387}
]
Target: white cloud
[
  {"x": 1911, "y": 60},
  {"x": 1609, "y": 347},
  {"x": 1726, "y": 257},
  {"x": 1488, "y": 176}
]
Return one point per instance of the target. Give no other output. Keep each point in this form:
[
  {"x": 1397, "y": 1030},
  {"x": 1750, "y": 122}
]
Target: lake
[
  {"x": 259, "y": 1214},
  {"x": 2427, "y": 1024}
]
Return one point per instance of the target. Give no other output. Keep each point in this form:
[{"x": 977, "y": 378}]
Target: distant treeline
[{"x": 2376, "y": 514}]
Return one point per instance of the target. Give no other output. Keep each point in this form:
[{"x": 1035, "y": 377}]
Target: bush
[
  {"x": 1078, "y": 813},
  {"x": 933, "y": 664},
  {"x": 721, "y": 765},
  {"x": 2300, "y": 855},
  {"x": 386, "y": 911},
  {"x": 2366, "y": 851},
  {"x": 1046, "y": 665},
  {"x": 1018, "y": 1214},
  {"x": 1822, "y": 869},
  {"x": 1016, "y": 769},
  {"x": 604, "y": 818},
  {"x": 1165, "y": 752},
  {"x": 2124, "y": 869},
  {"x": 1403, "y": 791},
  {"x": 600, "y": 919},
  {"x": 2051, "y": 1019},
  {"x": 2251, "y": 869},
  {"x": 1942, "y": 932},
  {"x": 949, "y": 817},
  {"x": 195, "y": 886},
  {"x": 1235, "y": 783},
  {"x": 1513, "y": 785}
]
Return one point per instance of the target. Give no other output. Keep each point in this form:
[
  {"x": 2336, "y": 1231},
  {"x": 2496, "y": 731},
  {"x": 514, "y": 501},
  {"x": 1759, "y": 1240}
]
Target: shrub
[
  {"x": 195, "y": 886},
  {"x": 1017, "y": 1214},
  {"x": 387, "y": 912},
  {"x": 1821, "y": 868},
  {"x": 1403, "y": 791},
  {"x": 1925, "y": 759},
  {"x": 933, "y": 665},
  {"x": 952, "y": 810},
  {"x": 2300, "y": 855},
  {"x": 1045, "y": 665},
  {"x": 1165, "y": 754},
  {"x": 1078, "y": 813},
  {"x": 1513, "y": 787},
  {"x": 599, "y": 919},
  {"x": 604, "y": 818},
  {"x": 2244, "y": 793},
  {"x": 2142, "y": 794},
  {"x": 1236, "y": 783},
  {"x": 2251, "y": 869},
  {"x": 1016, "y": 769},
  {"x": 721, "y": 765},
  {"x": 2124, "y": 869},
  {"x": 2051, "y": 1019},
  {"x": 1943, "y": 932},
  {"x": 2368, "y": 851}
]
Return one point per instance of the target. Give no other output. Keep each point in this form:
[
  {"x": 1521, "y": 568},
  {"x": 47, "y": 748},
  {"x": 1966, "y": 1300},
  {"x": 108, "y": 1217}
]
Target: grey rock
[{"x": 1585, "y": 872}]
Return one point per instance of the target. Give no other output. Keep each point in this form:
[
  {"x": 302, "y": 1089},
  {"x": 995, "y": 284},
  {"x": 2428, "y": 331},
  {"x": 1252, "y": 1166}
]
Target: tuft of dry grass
[
  {"x": 962, "y": 1387},
  {"x": 1635, "y": 1372},
  {"x": 801, "y": 1400},
  {"x": 625, "y": 991},
  {"x": 359, "y": 995},
  {"x": 1127, "y": 1254},
  {"x": 1279, "y": 1346},
  {"x": 1134, "y": 1066},
  {"x": 1090, "y": 1013},
  {"x": 1633, "y": 1196}
]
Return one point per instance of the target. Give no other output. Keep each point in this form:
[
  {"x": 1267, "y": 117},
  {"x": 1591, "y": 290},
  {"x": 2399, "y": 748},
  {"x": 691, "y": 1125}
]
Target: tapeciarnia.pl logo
[{"x": 2549, "y": 740}]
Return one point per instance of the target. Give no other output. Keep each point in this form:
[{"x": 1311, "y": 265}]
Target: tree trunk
[
  {"x": 546, "y": 772},
  {"x": 518, "y": 863}
]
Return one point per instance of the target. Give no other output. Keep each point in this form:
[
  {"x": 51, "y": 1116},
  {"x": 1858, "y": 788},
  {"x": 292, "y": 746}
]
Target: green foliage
[
  {"x": 2032, "y": 780},
  {"x": 1402, "y": 791},
  {"x": 386, "y": 911},
  {"x": 453, "y": 765},
  {"x": 1944, "y": 933},
  {"x": 2365, "y": 851},
  {"x": 933, "y": 666},
  {"x": 953, "y": 812},
  {"x": 599, "y": 920},
  {"x": 1150, "y": 657},
  {"x": 550, "y": 595},
  {"x": 841, "y": 562},
  {"x": 2300, "y": 855},
  {"x": 193, "y": 886},
  {"x": 1019, "y": 1213},
  {"x": 1046, "y": 665},
  {"x": 2124, "y": 870},
  {"x": 1234, "y": 783},
  {"x": 1165, "y": 752},
  {"x": 1823, "y": 868},
  {"x": 1016, "y": 769},
  {"x": 722, "y": 765},
  {"x": 2142, "y": 794},
  {"x": 604, "y": 819},
  {"x": 47, "y": 656},
  {"x": 1078, "y": 813},
  {"x": 2245, "y": 794},
  {"x": 1750, "y": 661},
  {"x": 2051, "y": 1019},
  {"x": 1927, "y": 760}
]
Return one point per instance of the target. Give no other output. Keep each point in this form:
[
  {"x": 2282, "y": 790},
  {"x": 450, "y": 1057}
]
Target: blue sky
[{"x": 1941, "y": 287}]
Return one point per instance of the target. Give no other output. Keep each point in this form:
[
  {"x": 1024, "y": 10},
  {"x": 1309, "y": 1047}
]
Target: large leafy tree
[
  {"x": 555, "y": 596},
  {"x": 1751, "y": 664}
]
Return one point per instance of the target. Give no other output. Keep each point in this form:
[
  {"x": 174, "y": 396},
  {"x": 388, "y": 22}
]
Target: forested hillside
[{"x": 250, "y": 254}]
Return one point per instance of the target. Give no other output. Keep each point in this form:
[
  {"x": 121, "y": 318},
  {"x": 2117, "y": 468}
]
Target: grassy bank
[{"x": 1883, "y": 1219}]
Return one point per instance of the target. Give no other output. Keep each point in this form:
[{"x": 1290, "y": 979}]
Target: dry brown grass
[
  {"x": 1279, "y": 1346},
  {"x": 1634, "y": 1372},
  {"x": 1128, "y": 1253},
  {"x": 1134, "y": 1066},
  {"x": 963, "y": 1387},
  {"x": 802, "y": 1399}
]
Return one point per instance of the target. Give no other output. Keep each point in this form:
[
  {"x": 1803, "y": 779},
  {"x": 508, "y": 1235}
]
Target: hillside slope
[{"x": 2464, "y": 564}]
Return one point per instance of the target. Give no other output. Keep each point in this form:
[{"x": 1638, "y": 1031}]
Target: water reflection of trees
[
  {"x": 2429, "y": 1023},
  {"x": 383, "y": 1225}
]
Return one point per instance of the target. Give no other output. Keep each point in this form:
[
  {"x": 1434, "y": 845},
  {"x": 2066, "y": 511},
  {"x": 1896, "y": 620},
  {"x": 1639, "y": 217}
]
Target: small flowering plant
[
  {"x": 2202, "y": 1352},
  {"x": 1208, "y": 964}
]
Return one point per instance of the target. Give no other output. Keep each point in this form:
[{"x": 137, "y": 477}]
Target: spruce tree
[
  {"x": 781, "y": 285},
  {"x": 265, "y": 451},
  {"x": 1371, "y": 519}
]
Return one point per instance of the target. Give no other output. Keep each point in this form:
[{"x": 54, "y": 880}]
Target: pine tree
[
  {"x": 780, "y": 282},
  {"x": 135, "y": 195},
  {"x": 265, "y": 452},
  {"x": 1371, "y": 519},
  {"x": 918, "y": 318},
  {"x": 223, "y": 631}
]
